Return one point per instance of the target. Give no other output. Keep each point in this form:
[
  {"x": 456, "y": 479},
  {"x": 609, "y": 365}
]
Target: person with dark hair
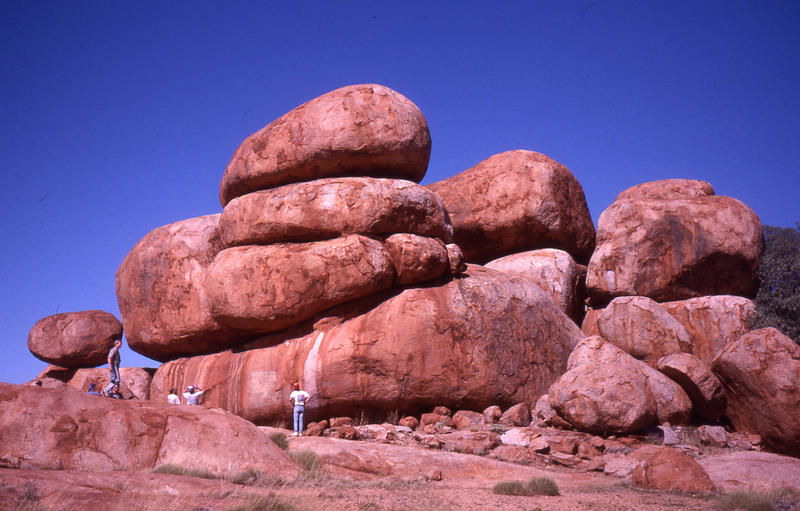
[
  {"x": 299, "y": 398},
  {"x": 92, "y": 391},
  {"x": 173, "y": 398},
  {"x": 113, "y": 366}
]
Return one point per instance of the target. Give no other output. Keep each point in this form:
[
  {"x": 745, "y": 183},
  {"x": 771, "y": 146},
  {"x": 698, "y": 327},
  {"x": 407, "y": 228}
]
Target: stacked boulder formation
[{"x": 330, "y": 265}]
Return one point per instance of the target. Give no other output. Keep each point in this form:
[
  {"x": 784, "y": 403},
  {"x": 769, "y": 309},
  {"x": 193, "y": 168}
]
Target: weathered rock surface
[
  {"x": 134, "y": 382},
  {"x": 553, "y": 270},
  {"x": 65, "y": 429},
  {"x": 262, "y": 289},
  {"x": 712, "y": 322},
  {"x": 465, "y": 419},
  {"x": 417, "y": 258},
  {"x": 517, "y": 201},
  {"x": 75, "y": 339},
  {"x": 751, "y": 470},
  {"x": 663, "y": 468},
  {"x": 358, "y": 130},
  {"x": 161, "y": 294},
  {"x": 761, "y": 375},
  {"x": 696, "y": 379},
  {"x": 482, "y": 339},
  {"x": 642, "y": 328},
  {"x": 668, "y": 189},
  {"x": 671, "y": 404},
  {"x": 517, "y": 415},
  {"x": 328, "y": 208},
  {"x": 674, "y": 248}
]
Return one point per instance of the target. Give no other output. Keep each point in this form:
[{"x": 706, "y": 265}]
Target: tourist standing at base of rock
[
  {"x": 192, "y": 395},
  {"x": 114, "y": 360},
  {"x": 299, "y": 398},
  {"x": 92, "y": 390},
  {"x": 173, "y": 398}
]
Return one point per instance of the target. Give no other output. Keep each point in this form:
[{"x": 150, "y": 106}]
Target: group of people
[{"x": 298, "y": 397}]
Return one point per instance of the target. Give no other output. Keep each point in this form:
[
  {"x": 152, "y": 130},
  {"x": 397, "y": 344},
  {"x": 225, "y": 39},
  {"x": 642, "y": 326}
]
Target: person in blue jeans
[
  {"x": 113, "y": 366},
  {"x": 299, "y": 398}
]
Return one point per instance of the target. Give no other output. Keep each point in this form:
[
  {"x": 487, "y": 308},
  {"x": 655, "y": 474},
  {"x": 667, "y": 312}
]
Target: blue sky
[{"x": 120, "y": 117}]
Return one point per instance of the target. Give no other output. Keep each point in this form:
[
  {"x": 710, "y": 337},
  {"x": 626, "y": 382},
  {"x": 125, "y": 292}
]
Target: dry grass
[{"x": 536, "y": 486}]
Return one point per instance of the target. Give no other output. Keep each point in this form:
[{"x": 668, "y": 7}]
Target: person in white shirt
[
  {"x": 192, "y": 395},
  {"x": 173, "y": 398},
  {"x": 299, "y": 398}
]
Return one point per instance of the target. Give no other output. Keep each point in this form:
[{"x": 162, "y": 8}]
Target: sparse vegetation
[
  {"x": 279, "y": 439},
  {"x": 269, "y": 503},
  {"x": 536, "y": 486},
  {"x": 183, "y": 471},
  {"x": 307, "y": 459},
  {"x": 393, "y": 417},
  {"x": 786, "y": 499}
]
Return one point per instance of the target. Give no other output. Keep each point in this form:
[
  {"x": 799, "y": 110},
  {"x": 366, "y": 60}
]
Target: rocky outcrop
[
  {"x": 161, "y": 292},
  {"x": 663, "y": 468},
  {"x": 752, "y": 471},
  {"x": 357, "y": 130},
  {"x": 262, "y": 289},
  {"x": 552, "y": 270},
  {"x": 64, "y": 429},
  {"x": 484, "y": 338},
  {"x": 712, "y": 322},
  {"x": 674, "y": 244},
  {"x": 761, "y": 375},
  {"x": 642, "y": 328},
  {"x": 328, "y": 208},
  {"x": 417, "y": 259},
  {"x": 75, "y": 339},
  {"x": 699, "y": 383},
  {"x": 517, "y": 201}
]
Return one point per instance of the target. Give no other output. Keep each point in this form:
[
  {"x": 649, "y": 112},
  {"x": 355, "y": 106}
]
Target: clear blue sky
[{"x": 120, "y": 117}]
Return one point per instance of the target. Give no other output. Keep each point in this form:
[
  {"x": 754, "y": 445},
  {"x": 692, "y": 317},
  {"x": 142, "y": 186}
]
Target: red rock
[
  {"x": 699, "y": 383},
  {"x": 552, "y": 270},
  {"x": 517, "y": 201},
  {"x": 544, "y": 411},
  {"x": 466, "y": 344},
  {"x": 470, "y": 442},
  {"x": 409, "y": 422},
  {"x": 328, "y": 208},
  {"x": 442, "y": 410},
  {"x": 134, "y": 381},
  {"x": 761, "y": 375},
  {"x": 671, "y": 404},
  {"x": 456, "y": 259},
  {"x": 467, "y": 420},
  {"x": 642, "y": 328},
  {"x": 345, "y": 432},
  {"x": 589, "y": 325},
  {"x": 492, "y": 414},
  {"x": 358, "y": 130},
  {"x": 712, "y": 435},
  {"x": 79, "y": 432},
  {"x": 162, "y": 298},
  {"x": 752, "y": 471},
  {"x": 674, "y": 248},
  {"x": 262, "y": 289},
  {"x": 712, "y": 322},
  {"x": 316, "y": 428},
  {"x": 74, "y": 339},
  {"x": 417, "y": 259},
  {"x": 341, "y": 421},
  {"x": 437, "y": 420},
  {"x": 668, "y": 189},
  {"x": 663, "y": 468},
  {"x": 517, "y": 415}
]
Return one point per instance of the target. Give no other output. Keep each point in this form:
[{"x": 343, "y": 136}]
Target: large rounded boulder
[
  {"x": 761, "y": 375},
  {"x": 480, "y": 339},
  {"x": 358, "y": 130},
  {"x": 517, "y": 201},
  {"x": 674, "y": 245},
  {"x": 161, "y": 292},
  {"x": 327, "y": 208},
  {"x": 75, "y": 339}
]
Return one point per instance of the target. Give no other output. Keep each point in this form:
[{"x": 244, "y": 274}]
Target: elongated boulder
[
  {"x": 75, "y": 339},
  {"x": 712, "y": 322},
  {"x": 161, "y": 293},
  {"x": 484, "y": 338},
  {"x": 327, "y": 208},
  {"x": 262, "y": 289},
  {"x": 358, "y": 130},
  {"x": 696, "y": 379},
  {"x": 642, "y": 328},
  {"x": 761, "y": 375},
  {"x": 671, "y": 402},
  {"x": 517, "y": 201},
  {"x": 417, "y": 259},
  {"x": 553, "y": 270},
  {"x": 752, "y": 471},
  {"x": 63, "y": 429},
  {"x": 676, "y": 247}
]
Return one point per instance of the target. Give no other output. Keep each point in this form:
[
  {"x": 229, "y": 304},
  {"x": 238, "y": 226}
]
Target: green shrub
[
  {"x": 307, "y": 459},
  {"x": 269, "y": 503},
  {"x": 279, "y": 439},
  {"x": 183, "y": 471},
  {"x": 536, "y": 486}
]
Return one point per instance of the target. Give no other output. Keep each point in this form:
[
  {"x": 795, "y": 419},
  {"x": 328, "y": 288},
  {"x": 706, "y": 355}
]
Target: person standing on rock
[
  {"x": 299, "y": 398},
  {"x": 173, "y": 398},
  {"x": 113, "y": 366},
  {"x": 192, "y": 395}
]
